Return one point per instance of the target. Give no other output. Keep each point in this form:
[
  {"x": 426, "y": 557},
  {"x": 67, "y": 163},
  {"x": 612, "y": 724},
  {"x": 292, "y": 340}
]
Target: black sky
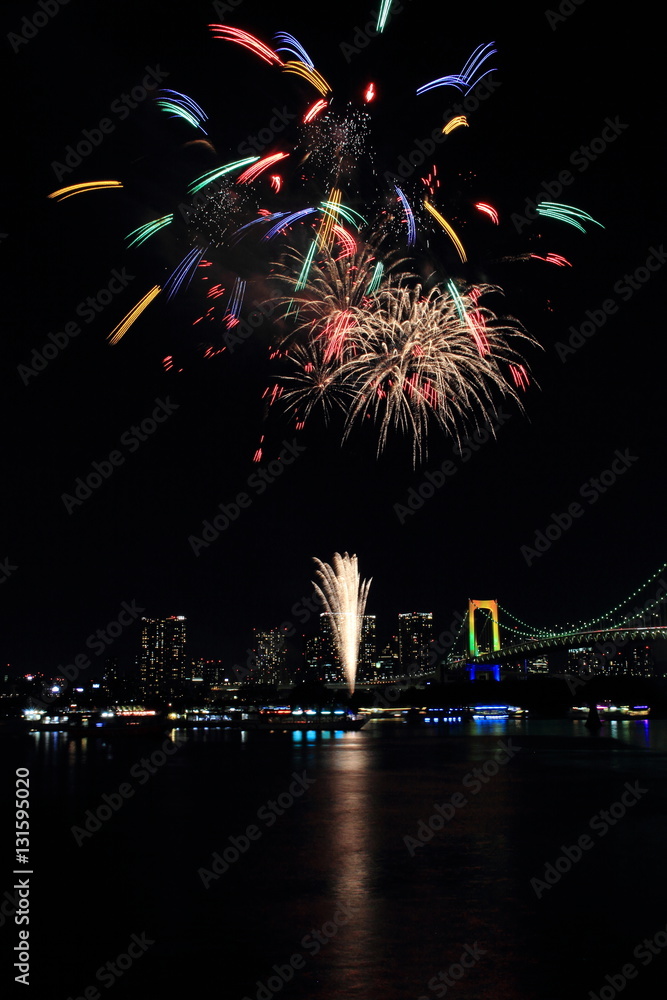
[{"x": 559, "y": 83}]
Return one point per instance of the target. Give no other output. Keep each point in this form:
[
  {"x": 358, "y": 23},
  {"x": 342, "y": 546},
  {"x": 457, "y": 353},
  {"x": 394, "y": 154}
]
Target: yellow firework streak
[
  {"x": 313, "y": 77},
  {"x": 326, "y": 232},
  {"x": 448, "y": 229},
  {"x": 455, "y": 123},
  {"x": 119, "y": 332},
  {"x": 68, "y": 192}
]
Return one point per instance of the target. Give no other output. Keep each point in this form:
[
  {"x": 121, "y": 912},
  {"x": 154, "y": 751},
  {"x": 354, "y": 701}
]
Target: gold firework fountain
[{"x": 343, "y": 595}]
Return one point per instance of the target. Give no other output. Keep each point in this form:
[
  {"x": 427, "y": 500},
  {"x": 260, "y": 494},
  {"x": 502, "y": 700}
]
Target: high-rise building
[
  {"x": 328, "y": 661},
  {"x": 415, "y": 632},
  {"x": 270, "y": 656},
  {"x": 387, "y": 665},
  {"x": 311, "y": 656},
  {"x": 214, "y": 673},
  {"x": 162, "y": 661},
  {"x": 367, "y": 668}
]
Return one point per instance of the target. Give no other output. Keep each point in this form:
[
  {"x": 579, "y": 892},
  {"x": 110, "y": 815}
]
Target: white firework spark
[
  {"x": 402, "y": 355},
  {"x": 344, "y": 595}
]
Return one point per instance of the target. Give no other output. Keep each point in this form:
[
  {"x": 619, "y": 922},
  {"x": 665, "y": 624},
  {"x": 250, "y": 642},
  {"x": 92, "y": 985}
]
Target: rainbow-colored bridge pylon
[{"x": 491, "y": 606}]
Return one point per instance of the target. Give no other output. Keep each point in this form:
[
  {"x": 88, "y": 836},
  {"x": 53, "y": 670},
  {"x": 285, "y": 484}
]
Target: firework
[
  {"x": 456, "y": 122},
  {"x": 215, "y": 220},
  {"x": 334, "y": 286},
  {"x": 466, "y": 79},
  {"x": 62, "y": 194},
  {"x": 335, "y": 141},
  {"x": 404, "y": 356},
  {"x": 448, "y": 229},
  {"x": 344, "y": 596},
  {"x": 119, "y": 331},
  {"x": 178, "y": 105},
  {"x": 356, "y": 328},
  {"x": 566, "y": 213}
]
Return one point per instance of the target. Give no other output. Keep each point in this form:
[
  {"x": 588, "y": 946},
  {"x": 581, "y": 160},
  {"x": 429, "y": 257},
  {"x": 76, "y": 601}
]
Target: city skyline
[
  {"x": 484, "y": 516},
  {"x": 644, "y": 605},
  {"x": 282, "y": 283},
  {"x": 161, "y": 662}
]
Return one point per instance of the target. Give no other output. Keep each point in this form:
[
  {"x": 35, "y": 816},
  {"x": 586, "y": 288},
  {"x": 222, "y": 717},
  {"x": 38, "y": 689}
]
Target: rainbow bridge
[{"x": 634, "y": 620}]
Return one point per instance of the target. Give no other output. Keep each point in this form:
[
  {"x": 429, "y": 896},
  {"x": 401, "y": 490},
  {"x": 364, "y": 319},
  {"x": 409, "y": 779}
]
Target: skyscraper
[
  {"x": 329, "y": 664},
  {"x": 270, "y": 656},
  {"x": 162, "y": 660},
  {"x": 368, "y": 650},
  {"x": 415, "y": 632}
]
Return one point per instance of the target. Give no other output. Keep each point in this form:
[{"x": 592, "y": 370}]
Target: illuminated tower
[
  {"x": 162, "y": 660},
  {"x": 415, "y": 632},
  {"x": 270, "y": 655},
  {"x": 473, "y": 638},
  {"x": 480, "y": 642},
  {"x": 329, "y": 665},
  {"x": 367, "y": 649}
]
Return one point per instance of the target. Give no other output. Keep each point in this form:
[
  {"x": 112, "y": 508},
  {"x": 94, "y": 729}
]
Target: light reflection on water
[
  {"x": 649, "y": 733},
  {"x": 342, "y": 844}
]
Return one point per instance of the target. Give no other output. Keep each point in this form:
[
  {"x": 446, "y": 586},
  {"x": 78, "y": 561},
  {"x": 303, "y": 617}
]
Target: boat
[
  {"x": 284, "y": 718},
  {"x": 119, "y": 722},
  {"x": 607, "y": 710},
  {"x": 490, "y": 713},
  {"x": 416, "y": 716}
]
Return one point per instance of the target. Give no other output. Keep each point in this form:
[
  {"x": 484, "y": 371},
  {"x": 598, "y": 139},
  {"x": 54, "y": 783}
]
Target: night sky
[{"x": 557, "y": 84}]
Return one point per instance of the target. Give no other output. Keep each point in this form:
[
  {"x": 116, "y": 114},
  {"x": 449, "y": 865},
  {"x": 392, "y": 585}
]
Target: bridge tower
[
  {"x": 492, "y": 606},
  {"x": 476, "y": 671}
]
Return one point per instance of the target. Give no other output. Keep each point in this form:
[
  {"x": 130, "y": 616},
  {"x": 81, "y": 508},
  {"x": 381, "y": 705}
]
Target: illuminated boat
[
  {"x": 490, "y": 713},
  {"x": 435, "y": 716},
  {"x": 290, "y": 719},
  {"x": 119, "y": 722},
  {"x": 607, "y": 710}
]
